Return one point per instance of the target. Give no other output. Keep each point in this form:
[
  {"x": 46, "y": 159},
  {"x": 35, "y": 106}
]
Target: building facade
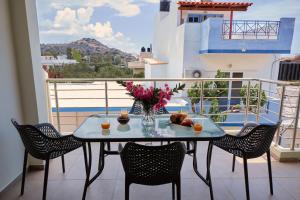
[{"x": 197, "y": 38}]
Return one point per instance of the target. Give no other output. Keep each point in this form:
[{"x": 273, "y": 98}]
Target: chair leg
[
  {"x": 246, "y": 178},
  {"x": 24, "y": 171},
  {"x": 178, "y": 189},
  {"x": 127, "y": 185},
  {"x": 173, "y": 191},
  {"x": 270, "y": 171},
  {"x": 63, "y": 163},
  {"x": 108, "y": 146},
  {"x": 233, "y": 163},
  {"x": 46, "y": 180},
  {"x": 188, "y": 146},
  {"x": 85, "y": 158}
]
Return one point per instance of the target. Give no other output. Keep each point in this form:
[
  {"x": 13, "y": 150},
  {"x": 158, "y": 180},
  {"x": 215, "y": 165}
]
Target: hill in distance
[{"x": 87, "y": 46}]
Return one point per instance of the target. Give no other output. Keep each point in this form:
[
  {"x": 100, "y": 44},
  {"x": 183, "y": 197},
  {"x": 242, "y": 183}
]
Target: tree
[
  {"x": 139, "y": 75},
  {"x": 253, "y": 100},
  {"x": 194, "y": 94},
  {"x": 212, "y": 89},
  {"x": 50, "y": 53},
  {"x": 215, "y": 110},
  {"x": 217, "y": 88},
  {"x": 76, "y": 54},
  {"x": 69, "y": 53},
  {"x": 117, "y": 60}
]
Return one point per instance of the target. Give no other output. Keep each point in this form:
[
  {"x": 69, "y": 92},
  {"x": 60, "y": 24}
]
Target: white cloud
[
  {"x": 152, "y": 1},
  {"x": 85, "y": 14},
  {"x": 126, "y": 8},
  {"x": 76, "y": 24},
  {"x": 99, "y": 30},
  {"x": 64, "y": 17}
]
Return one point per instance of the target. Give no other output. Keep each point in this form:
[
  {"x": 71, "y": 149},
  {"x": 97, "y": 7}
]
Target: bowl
[{"x": 122, "y": 120}]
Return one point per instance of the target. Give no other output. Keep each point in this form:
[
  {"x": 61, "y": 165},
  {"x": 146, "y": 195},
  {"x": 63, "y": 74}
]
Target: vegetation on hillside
[{"x": 95, "y": 60}]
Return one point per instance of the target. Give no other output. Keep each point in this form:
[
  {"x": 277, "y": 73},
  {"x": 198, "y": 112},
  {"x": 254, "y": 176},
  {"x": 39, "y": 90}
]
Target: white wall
[
  {"x": 252, "y": 65},
  {"x": 11, "y": 153},
  {"x": 168, "y": 43},
  {"x": 22, "y": 82}
]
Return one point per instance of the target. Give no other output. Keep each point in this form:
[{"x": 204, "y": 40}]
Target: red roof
[{"x": 223, "y": 6}]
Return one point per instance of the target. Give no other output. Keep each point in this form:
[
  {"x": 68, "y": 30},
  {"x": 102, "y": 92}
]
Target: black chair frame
[
  {"x": 162, "y": 163},
  {"x": 252, "y": 142},
  {"x": 44, "y": 142}
]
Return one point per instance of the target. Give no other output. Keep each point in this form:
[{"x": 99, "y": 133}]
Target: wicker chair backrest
[
  {"x": 258, "y": 141},
  {"x": 152, "y": 165},
  {"x": 35, "y": 141}
]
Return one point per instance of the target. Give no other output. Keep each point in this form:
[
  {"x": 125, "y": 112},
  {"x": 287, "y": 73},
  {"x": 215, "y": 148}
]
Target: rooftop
[{"x": 216, "y": 6}]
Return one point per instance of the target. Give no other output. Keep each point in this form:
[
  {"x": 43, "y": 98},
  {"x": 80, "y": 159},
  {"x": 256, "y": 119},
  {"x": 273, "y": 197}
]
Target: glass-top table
[{"x": 90, "y": 131}]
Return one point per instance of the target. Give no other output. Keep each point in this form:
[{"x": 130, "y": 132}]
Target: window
[{"x": 193, "y": 19}]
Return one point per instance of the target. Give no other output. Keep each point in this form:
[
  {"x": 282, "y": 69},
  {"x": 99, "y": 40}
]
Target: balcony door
[{"x": 236, "y": 88}]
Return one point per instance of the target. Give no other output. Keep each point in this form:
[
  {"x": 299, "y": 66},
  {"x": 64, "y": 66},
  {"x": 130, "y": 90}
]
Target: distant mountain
[{"x": 87, "y": 46}]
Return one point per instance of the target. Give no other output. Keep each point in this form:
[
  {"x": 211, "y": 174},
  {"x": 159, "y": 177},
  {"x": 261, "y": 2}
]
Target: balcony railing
[
  {"x": 250, "y": 29},
  {"x": 72, "y": 100}
]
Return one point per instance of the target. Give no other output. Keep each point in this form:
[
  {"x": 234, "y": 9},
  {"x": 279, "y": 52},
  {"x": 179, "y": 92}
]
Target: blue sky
[{"x": 129, "y": 24}]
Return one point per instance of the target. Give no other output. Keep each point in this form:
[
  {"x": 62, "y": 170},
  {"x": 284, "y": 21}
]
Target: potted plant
[{"x": 151, "y": 98}]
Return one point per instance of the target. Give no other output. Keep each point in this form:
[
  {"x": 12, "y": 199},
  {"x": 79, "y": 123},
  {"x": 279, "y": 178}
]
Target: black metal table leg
[
  {"x": 206, "y": 180},
  {"x": 208, "y": 161},
  {"x": 88, "y": 170},
  {"x": 85, "y": 157},
  {"x": 88, "y": 181}
]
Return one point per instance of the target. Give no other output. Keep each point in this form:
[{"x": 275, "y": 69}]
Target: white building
[
  {"x": 195, "y": 39},
  {"x": 56, "y": 61},
  {"x": 138, "y": 66}
]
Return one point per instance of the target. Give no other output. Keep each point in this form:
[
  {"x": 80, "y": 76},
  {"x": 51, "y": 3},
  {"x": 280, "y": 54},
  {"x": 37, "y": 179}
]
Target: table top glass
[{"x": 164, "y": 130}]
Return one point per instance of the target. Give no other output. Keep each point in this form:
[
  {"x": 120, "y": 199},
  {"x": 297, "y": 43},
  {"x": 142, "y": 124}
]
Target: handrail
[
  {"x": 79, "y": 80},
  {"x": 252, "y": 28},
  {"x": 101, "y": 84}
]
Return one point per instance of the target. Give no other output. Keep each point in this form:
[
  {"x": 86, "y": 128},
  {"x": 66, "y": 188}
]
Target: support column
[
  {"x": 31, "y": 78},
  {"x": 230, "y": 28}
]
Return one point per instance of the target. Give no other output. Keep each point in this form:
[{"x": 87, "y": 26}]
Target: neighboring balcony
[{"x": 243, "y": 36}]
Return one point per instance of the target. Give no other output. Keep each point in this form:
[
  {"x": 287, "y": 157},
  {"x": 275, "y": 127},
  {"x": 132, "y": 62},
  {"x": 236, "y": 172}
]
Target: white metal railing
[
  {"x": 250, "y": 29},
  {"x": 107, "y": 96}
]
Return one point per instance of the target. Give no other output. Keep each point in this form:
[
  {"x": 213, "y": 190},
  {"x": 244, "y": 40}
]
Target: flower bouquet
[{"x": 150, "y": 98}]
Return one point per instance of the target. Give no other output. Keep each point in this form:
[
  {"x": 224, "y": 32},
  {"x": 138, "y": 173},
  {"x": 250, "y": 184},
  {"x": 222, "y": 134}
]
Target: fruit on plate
[
  {"x": 178, "y": 118},
  {"x": 183, "y": 116},
  {"x": 187, "y": 122},
  {"x": 173, "y": 118}
]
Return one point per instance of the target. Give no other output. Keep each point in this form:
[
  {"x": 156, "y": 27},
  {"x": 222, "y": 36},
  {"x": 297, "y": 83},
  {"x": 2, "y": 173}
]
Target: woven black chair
[
  {"x": 153, "y": 165},
  {"x": 44, "y": 142},
  {"x": 250, "y": 143},
  {"x": 244, "y": 131}
]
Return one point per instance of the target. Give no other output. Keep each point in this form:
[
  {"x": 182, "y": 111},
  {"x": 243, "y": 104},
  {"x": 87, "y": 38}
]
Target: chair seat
[{"x": 67, "y": 146}]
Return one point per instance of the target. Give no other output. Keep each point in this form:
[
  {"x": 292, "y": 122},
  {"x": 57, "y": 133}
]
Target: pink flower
[
  {"x": 152, "y": 97},
  {"x": 129, "y": 85}
]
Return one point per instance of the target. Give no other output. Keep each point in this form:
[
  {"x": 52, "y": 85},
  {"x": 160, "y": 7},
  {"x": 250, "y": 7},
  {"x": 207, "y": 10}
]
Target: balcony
[
  {"x": 242, "y": 36},
  {"x": 24, "y": 98},
  {"x": 110, "y": 185},
  {"x": 72, "y": 100}
]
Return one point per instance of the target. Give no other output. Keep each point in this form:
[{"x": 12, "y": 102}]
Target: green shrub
[{"x": 253, "y": 100}]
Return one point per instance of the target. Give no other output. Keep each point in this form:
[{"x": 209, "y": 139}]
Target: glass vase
[{"x": 148, "y": 118}]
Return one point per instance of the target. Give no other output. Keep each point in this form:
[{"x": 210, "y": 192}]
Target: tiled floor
[{"x": 110, "y": 185}]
